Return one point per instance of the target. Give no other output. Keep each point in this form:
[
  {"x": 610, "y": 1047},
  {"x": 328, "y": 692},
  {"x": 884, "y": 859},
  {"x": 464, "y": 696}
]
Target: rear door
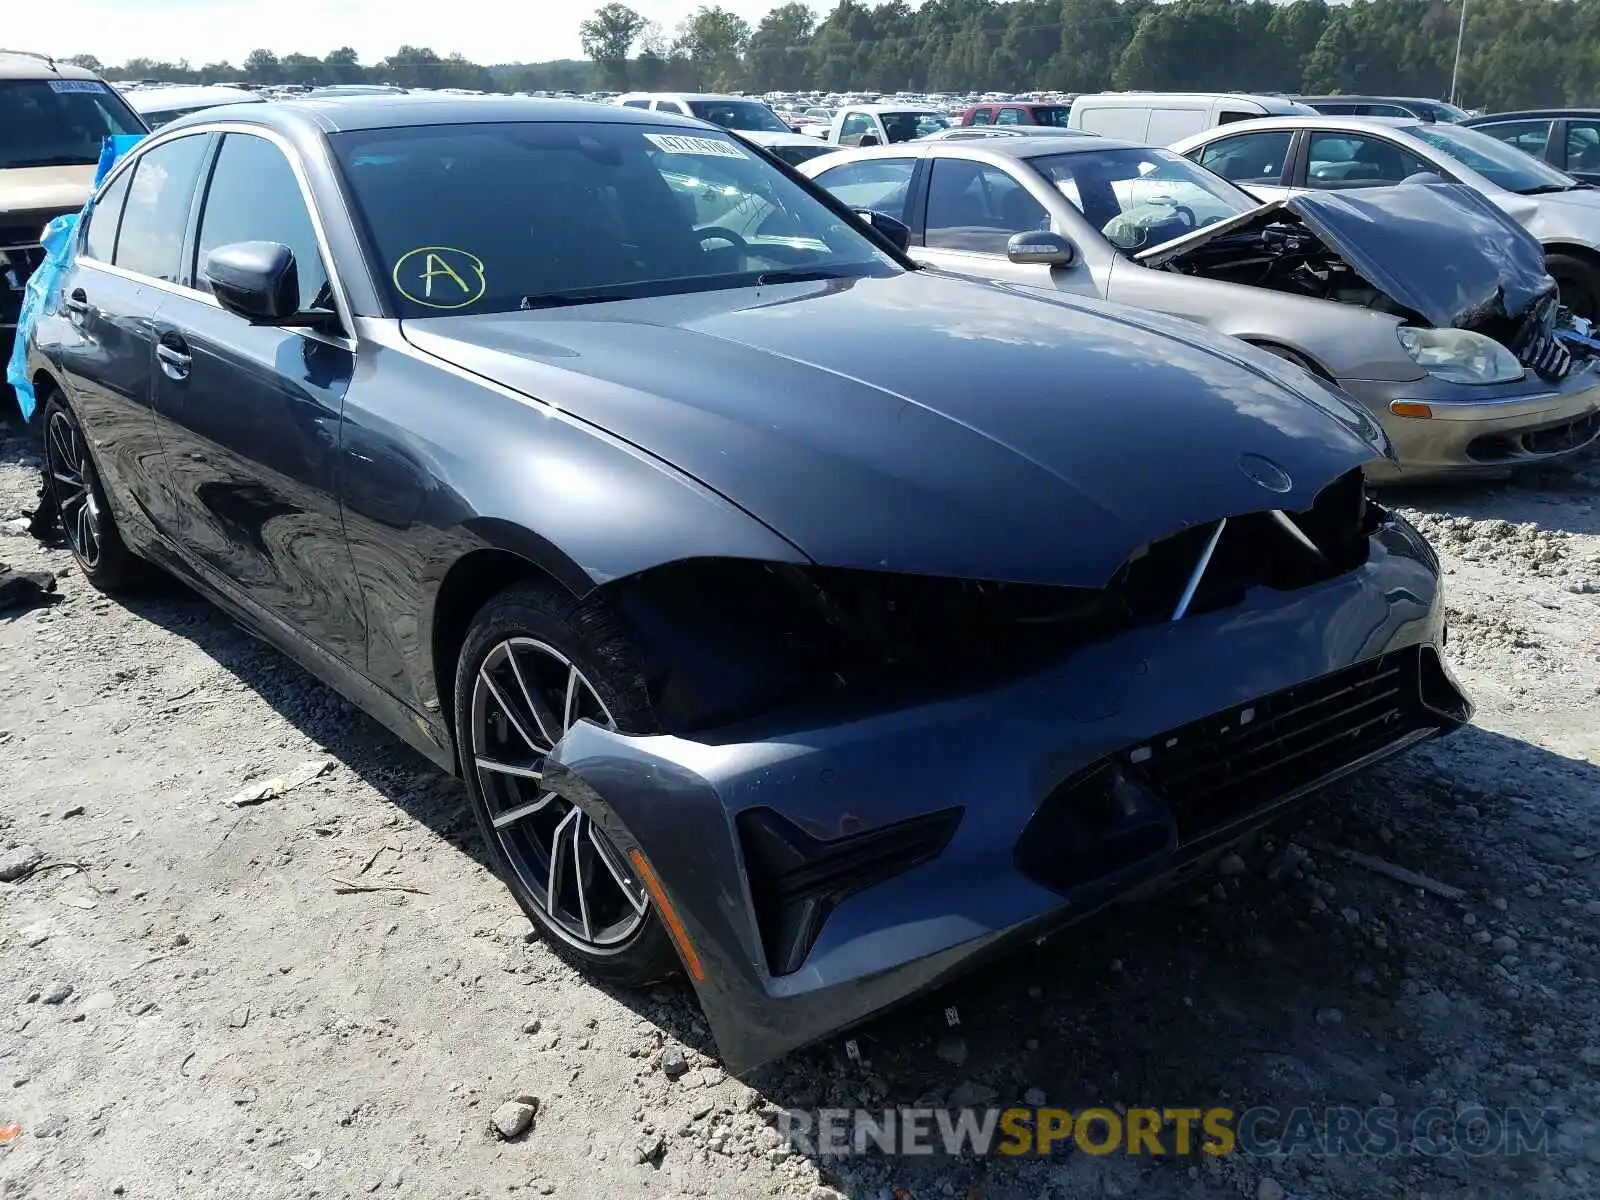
[
  {"x": 1259, "y": 161},
  {"x": 249, "y": 415},
  {"x": 127, "y": 268}
]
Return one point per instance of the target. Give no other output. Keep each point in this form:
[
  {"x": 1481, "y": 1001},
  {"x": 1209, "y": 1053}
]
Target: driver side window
[
  {"x": 879, "y": 184},
  {"x": 854, "y": 126},
  {"x": 977, "y": 207}
]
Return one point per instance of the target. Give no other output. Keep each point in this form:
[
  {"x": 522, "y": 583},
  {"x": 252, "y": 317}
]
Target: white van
[{"x": 1161, "y": 118}]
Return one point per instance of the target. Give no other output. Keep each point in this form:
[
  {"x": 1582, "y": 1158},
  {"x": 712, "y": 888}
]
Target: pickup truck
[{"x": 884, "y": 124}]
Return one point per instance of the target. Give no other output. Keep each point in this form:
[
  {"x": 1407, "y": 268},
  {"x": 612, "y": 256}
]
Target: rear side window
[
  {"x": 100, "y": 240},
  {"x": 636, "y": 104},
  {"x": 1249, "y": 157},
  {"x": 1011, "y": 116},
  {"x": 255, "y": 197},
  {"x": 156, "y": 215}
]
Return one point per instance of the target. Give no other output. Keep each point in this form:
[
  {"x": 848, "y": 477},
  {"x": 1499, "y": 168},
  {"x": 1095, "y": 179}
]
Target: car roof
[
  {"x": 909, "y": 106},
  {"x": 160, "y": 99},
  {"x": 340, "y": 114},
  {"x": 687, "y": 96},
  {"x": 24, "y": 64},
  {"x": 992, "y": 148},
  {"x": 1365, "y": 99},
  {"x": 1526, "y": 114},
  {"x": 1350, "y": 124}
]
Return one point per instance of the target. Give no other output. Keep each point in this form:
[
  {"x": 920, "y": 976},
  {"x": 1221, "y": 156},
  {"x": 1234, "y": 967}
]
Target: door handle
[{"x": 174, "y": 355}]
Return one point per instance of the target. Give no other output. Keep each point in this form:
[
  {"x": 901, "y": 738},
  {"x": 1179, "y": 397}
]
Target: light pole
[{"x": 1461, "y": 33}]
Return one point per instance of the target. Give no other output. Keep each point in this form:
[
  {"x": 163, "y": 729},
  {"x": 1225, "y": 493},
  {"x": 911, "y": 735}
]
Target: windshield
[
  {"x": 501, "y": 216},
  {"x": 1499, "y": 163},
  {"x": 59, "y": 122},
  {"x": 1141, "y": 196},
  {"x": 1441, "y": 110},
  {"x": 908, "y": 126},
  {"x": 739, "y": 114}
]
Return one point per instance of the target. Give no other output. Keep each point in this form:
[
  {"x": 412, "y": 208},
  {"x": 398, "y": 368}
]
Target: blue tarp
[{"x": 44, "y": 285}]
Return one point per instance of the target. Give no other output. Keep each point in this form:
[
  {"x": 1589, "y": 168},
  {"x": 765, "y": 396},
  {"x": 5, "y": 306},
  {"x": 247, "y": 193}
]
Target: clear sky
[{"x": 486, "y": 31}]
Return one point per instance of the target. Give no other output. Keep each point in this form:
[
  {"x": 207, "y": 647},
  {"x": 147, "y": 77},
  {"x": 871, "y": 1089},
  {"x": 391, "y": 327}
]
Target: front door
[
  {"x": 249, "y": 415},
  {"x": 973, "y": 211}
]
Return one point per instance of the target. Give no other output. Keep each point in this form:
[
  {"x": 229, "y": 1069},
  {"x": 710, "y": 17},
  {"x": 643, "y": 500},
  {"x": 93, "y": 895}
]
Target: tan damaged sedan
[{"x": 1422, "y": 301}]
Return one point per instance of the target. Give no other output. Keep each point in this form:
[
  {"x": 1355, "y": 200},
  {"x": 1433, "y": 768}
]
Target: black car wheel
[
  {"x": 1579, "y": 281},
  {"x": 535, "y": 663},
  {"x": 80, "y": 502}
]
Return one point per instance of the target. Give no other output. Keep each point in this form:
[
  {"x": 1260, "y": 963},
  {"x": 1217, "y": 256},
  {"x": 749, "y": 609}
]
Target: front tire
[
  {"x": 1579, "y": 281},
  {"x": 80, "y": 502},
  {"x": 534, "y": 663}
]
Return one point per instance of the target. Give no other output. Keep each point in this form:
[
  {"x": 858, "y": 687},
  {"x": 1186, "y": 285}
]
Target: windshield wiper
[
  {"x": 799, "y": 275},
  {"x": 1544, "y": 189},
  {"x": 567, "y": 299}
]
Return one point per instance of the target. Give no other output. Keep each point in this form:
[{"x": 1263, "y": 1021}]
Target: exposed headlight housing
[{"x": 1460, "y": 356}]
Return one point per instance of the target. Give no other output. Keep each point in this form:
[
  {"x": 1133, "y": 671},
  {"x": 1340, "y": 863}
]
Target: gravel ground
[{"x": 196, "y": 1006}]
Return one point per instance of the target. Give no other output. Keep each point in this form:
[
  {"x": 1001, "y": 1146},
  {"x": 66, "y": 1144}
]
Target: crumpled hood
[
  {"x": 47, "y": 190},
  {"x": 929, "y": 424},
  {"x": 1438, "y": 249}
]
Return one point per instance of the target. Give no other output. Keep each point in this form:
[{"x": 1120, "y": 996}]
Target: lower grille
[
  {"x": 1232, "y": 762},
  {"x": 797, "y": 880},
  {"x": 16, "y": 264},
  {"x": 1536, "y": 345},
  {"x": 1553, "y": 439}
]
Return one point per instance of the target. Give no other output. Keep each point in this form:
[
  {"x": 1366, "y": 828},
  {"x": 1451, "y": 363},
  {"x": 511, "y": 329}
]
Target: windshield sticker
[
  {"x": 76, "y": 85},
  {"x": 677, "y": 143},
  {"x": 440, "y": 277}
]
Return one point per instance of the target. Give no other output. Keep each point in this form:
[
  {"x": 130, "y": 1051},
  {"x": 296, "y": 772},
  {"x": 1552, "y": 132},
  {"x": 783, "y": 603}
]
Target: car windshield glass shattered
[
  {"x": 501, "y": 216},
  {"x": 748, "y": 115},
  {"x": 1141, "y": 196},
  {"x": 1496, "y": 161},
  {"x": 59, "y": 122}
]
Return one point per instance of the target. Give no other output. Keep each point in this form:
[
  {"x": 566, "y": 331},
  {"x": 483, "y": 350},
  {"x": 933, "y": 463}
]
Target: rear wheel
[
  {"x": 1579, "y": 281},
  {"x": 534, "y": 664},
  {"x": 80, "y": 502}
]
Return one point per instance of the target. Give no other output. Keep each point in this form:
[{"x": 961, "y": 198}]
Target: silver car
[
  {"x": 1459, "y": 353},
  {"x": 1284, "y": 156}
]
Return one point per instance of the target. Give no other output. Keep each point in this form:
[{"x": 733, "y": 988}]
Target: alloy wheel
[
  {"x": 526, "y": 695},
  {"x": 72, "y": 479}
]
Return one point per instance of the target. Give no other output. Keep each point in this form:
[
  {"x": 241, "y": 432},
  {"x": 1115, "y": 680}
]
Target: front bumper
[
  {"x": 1477, "y": 431},
  {"x": 1329, "y": 679}
]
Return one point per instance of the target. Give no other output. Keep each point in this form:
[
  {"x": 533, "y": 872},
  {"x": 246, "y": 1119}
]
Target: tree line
[{"x": 1515, "y": 53}]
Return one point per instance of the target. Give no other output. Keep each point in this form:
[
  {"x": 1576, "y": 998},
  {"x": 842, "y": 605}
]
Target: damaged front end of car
[
  {"x": 868, "y": 782},
  {"x": 1468, "y": 283}
]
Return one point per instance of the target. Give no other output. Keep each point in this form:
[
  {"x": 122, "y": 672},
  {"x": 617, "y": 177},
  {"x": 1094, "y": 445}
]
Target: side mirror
[
  {"x": 869, "y": 139},
  {"x": 1042, "y": 249},
  {"x": 896, "y": 231},
  {"x": 255, "y": 280}
]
